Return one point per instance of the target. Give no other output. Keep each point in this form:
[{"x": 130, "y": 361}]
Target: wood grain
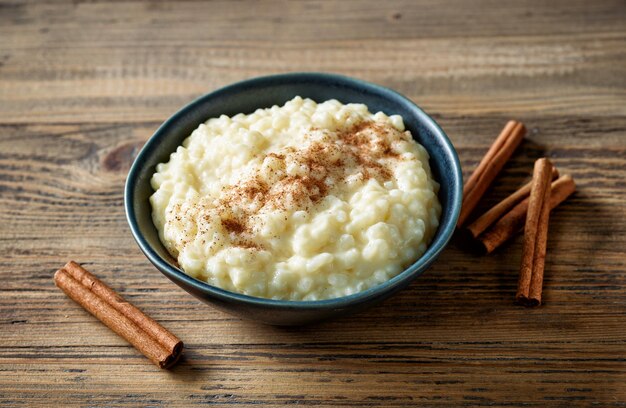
[{"x": 84, "y": 84}]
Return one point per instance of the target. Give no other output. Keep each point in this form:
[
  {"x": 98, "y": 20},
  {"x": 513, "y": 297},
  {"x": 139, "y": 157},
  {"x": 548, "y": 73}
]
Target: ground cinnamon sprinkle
[
  {"x": 242, "y": 243},
  {"x": 362, "y": 150},
  {"x": 233, "y": 226}
]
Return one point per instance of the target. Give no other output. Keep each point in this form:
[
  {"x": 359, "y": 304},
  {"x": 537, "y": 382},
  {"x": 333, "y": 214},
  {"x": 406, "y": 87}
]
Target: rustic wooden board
[{"x": 83, "y": 85}]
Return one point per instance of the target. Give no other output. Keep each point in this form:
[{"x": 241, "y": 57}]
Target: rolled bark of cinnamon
[
  {"x": 512, "y": 222},
  {"x": 496, "y": 212},
  {"x": 489, "y": 167},
  {"x": 530, "y": 284},
  {"x": 144, "y": 333}
]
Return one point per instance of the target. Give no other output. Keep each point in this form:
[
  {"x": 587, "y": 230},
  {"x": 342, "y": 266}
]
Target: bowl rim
[{"x": 405, "y": 277}]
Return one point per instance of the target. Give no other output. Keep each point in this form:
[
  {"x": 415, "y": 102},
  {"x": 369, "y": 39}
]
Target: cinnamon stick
[
  {"x": 529, "y": 286},
  {"x": 513, "y": 221},
  {"x": 144, "y": 333},
  {"x": 489, "y": 167},
  {"x": 496, "y": 212}
]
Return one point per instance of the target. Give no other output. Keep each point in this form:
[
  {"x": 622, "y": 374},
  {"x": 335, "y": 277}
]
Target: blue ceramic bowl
[{"x": 246, "y": 97}]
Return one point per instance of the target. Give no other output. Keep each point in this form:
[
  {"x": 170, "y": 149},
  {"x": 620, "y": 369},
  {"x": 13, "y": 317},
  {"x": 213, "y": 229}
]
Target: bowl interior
[{"x": 246, "y": 97}]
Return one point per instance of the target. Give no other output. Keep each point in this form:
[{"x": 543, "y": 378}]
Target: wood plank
[
  {"x": 51, "y": 66},
  {"x": 476, "y": 76}
]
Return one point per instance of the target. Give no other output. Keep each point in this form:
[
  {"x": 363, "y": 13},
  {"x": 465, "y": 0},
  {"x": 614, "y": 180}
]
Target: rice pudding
[{"x": 304, "y": 201}]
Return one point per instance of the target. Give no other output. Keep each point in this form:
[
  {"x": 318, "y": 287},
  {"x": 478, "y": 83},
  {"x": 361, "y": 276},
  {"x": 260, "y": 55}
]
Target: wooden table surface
[{"x": 84, "y": 84}]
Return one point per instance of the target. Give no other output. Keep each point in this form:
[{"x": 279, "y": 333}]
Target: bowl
[{"x": 263, "y": 92}]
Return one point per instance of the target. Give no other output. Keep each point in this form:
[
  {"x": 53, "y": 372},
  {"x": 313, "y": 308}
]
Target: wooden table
[{"x": 83, "y": 85}]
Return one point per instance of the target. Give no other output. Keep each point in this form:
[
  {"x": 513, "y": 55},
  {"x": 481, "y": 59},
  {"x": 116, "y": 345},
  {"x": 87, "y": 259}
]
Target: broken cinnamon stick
[
  {"x": 144, "y": 333},
  {"x": 513, "y": 221},
  {"x": 496, "y": 212},
  {"x": 530, "y": 284},
  {"x": 489, "y": 167}
]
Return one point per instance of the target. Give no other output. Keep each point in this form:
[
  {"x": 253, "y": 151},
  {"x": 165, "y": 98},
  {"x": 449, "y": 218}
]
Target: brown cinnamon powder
[
  {"x": 364, "y": 150},
  {"x": 233, "y": 226}
]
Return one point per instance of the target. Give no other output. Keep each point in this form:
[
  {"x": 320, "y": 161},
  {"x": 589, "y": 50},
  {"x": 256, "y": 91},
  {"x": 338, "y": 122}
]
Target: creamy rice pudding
[{"x": 304, "y": 201}]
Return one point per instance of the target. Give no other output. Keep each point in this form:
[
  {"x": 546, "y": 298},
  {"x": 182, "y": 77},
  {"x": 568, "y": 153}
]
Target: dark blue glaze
[{"x": 263, "y": 92}]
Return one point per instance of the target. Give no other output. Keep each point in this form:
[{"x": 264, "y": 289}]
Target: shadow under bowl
[{"x": 264, "y": 92}]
